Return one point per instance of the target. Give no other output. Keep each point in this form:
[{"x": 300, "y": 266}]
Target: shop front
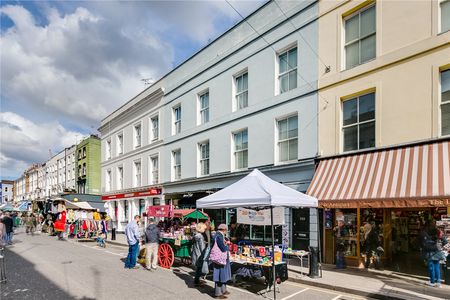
[
  {"x": 393, "y": 192},
  {"x": 124, "y": 206}
]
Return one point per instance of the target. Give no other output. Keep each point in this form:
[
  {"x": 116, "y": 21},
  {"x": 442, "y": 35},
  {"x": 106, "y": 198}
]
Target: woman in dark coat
[{"x": 222, "y": 274}]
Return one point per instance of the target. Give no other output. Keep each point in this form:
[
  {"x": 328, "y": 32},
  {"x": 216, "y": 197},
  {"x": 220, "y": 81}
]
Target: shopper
[
  {"x": 199, "y": 253},
  {"x": 133, "y": 237},
  {"x": 2, "y": 231},
  {"x": 7, "y": 220},
  {"x": 371, "y": 244},
  {"x": 340, "y": 232},
  {"x": 151, "y": 244},
  {"x": 432, "y": 254},
  {"x": 221, "y": 273}
]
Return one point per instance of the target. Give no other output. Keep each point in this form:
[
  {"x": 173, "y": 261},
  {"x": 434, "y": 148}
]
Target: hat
[
  {"x": 222, "y": 227},
  {"x": 200, "y": 227}
]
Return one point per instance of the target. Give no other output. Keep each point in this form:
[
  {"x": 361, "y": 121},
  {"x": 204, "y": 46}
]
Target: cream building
[{"x": 383, "y": 123}]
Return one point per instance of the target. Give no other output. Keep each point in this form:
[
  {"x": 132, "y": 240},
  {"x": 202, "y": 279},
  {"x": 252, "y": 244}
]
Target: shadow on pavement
[{"x": 24, "y": 282}]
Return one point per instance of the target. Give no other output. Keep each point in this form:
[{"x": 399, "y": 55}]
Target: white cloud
[{"x": 24, "y": 142}]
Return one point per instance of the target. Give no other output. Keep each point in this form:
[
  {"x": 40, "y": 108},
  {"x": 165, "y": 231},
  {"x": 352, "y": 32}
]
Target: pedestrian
[
  {"x": 200, "y": 252},
  {"x": 104, "y": 227},
  {"x": 151, "y": 244},
  {"x": 8, "y": 222},
  {"x": 133, "y": 237},
  {"x": 221, "y": 272},
  {"x": 432, "y": 254},
  {"x": 340, "y": 232},
  {"x": 371, "y": 244},
  {"x": 2, "y": 231}
]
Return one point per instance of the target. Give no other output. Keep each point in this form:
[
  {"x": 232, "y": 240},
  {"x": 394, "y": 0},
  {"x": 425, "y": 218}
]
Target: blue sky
[{"x": 68, "y": 64}]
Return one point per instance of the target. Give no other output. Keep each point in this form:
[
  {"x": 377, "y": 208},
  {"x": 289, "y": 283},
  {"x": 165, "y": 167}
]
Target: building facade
[
  {"x": 384, "y": 122},
  {"x": 88, "y": 165},
  {"x": 6, "y": 191},
  {"x": 248, "y": 100}
]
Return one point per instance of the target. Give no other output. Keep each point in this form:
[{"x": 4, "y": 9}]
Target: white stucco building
[
  {"x": 6, "y": 191},
  {"x": 247, "y": 100}
]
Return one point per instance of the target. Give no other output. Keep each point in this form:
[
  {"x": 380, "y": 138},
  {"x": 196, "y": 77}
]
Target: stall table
[
  {"x": 168, "y": 250},
  {"x": 299, "y": 255}
]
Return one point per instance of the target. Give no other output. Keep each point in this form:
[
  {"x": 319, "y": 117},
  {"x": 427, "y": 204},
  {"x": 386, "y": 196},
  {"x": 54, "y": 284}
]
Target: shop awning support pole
[{"x": 273, "y": 256}]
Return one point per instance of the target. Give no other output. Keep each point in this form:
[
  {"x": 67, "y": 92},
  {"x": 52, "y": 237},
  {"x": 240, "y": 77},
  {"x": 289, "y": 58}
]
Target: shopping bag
[{"x": 217, "y": 256}]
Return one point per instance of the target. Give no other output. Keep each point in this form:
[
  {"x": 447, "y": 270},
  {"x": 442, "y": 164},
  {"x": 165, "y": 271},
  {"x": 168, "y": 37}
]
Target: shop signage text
[{"x": 150, "y": 192}]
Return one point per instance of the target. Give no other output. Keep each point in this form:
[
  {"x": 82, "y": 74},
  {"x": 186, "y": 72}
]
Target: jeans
[
  {"x": 434, "y": 270},
  {"x": 340, "y": 260},
  {"x": 151, "y": 257},
  {"x": 9, "y": 237},
  {"x": 132, "y": 256},
  {"x": 220, "y": 289}
]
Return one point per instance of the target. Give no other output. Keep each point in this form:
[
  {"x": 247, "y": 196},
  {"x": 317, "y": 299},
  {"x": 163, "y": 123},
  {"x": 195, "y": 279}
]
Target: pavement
[
  {"x": 41, "y": 267},
  {"x": 365, "y": 283}
]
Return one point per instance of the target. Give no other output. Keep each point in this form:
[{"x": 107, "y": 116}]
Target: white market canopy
[{"x": 256, "y": 190}]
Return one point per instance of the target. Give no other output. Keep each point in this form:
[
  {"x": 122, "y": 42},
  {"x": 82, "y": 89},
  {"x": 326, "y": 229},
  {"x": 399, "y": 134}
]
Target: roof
[
  {"x": 189, "y": 214},
  {"x": 417, "y": 175}
]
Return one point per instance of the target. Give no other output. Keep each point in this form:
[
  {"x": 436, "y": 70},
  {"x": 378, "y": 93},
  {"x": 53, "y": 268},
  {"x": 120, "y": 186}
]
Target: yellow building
[{"x": 383, "y": 122}]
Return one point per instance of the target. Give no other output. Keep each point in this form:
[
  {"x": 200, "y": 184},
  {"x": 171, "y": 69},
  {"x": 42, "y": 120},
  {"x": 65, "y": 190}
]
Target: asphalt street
[{"x": 41, "y": 267}]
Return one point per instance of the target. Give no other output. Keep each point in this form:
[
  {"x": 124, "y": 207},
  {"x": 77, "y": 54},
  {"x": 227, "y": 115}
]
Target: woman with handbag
[
  {"x": 220, "y": 259},
  {"x": 198, "y": 254}
]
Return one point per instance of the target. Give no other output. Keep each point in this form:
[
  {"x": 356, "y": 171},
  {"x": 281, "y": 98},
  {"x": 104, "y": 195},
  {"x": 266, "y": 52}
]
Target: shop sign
[
  {"x": 260, "y": 217},
  {"x": 150, "y": 192},
  {"x": 385, "y": 203},
  {"x": 159, "y": 211}
]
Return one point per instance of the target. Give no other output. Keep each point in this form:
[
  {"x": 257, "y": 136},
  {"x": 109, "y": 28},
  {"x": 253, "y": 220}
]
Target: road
[{"x": 41, "y": 267}]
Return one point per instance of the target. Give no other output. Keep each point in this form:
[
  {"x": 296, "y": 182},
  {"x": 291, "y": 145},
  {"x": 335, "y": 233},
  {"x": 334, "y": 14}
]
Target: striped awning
[{"x": 415, "y": 176}]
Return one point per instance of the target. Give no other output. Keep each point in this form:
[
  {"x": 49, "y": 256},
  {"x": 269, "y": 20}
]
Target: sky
[{"x": 65, "y": 65}]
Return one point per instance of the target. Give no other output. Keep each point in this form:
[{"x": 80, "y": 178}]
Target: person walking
[
  {"x": 221, "y": 273},
  {"x": 432, "y": 254},
  {"x": 133, "y": 237},
  {"x": 371, "y": 244},
  {"x": 9, "y": 230},
  {"x": 199, "y": 253},
  {"x": 151, "y": 244},
  {"x": 2, "y": 231}
]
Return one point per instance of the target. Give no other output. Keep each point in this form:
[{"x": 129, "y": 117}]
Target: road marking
[
  {"x": 295, "y": 294},
  {"x": 337, "y": 297}
]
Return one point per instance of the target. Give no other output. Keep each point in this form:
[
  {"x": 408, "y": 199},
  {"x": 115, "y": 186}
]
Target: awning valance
[{"x": 414, "y": 176}]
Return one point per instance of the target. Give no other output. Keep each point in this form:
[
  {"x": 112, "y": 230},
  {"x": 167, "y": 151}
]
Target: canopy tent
[
  {"x": 258, "y": 191},
  {"x": 189, "y": 214},
  {"x": 75, "y": 205},
  {"x": 23, "y": 206},
  {"x": 6, "y": 207}
]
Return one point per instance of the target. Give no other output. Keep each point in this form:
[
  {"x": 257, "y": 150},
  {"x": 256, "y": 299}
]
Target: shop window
[
  {"x": 360, "y": 37},
  {"x": 359, "y": 122},
  {"x": 445, "y": 102},
  {"x": 287, "y": 63},
  {"x": 346, "y": 232},
  {"x": 288, "y": 139}
]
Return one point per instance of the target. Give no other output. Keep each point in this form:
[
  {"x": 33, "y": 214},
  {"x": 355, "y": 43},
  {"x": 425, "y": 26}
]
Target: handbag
[{"x": 217, "y": 256}]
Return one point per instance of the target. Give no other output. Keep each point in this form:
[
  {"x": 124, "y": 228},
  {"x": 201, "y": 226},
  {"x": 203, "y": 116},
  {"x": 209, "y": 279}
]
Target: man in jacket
[
  {"x": 133, "y": 237},
  {"x": 151, "y": 244},
  {"x": 7, "y": 220}
]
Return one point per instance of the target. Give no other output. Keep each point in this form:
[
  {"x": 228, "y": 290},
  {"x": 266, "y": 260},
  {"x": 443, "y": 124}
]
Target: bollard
[
  {"x": 447, "y": 271},
  {"x": 113, "y": 234},
  {"x": 313, "y": 262}
]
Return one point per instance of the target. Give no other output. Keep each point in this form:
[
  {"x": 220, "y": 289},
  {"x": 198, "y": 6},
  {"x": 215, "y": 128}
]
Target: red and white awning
[{"x": 409, "y": 176}]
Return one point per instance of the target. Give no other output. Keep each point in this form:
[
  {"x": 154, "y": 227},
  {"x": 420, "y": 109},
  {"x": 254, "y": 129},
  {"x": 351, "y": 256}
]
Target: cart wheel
[{"x": 165, "y": 256}]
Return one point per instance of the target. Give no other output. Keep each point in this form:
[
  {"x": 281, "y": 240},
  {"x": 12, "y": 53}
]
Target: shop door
[{"x": 300, "y": 229}]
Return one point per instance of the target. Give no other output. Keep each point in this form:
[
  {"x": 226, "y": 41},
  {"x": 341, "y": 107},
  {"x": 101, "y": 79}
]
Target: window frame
[
  {"x": 152, "y": 180},
  {"x": 176, "y": 122},
  {"x": 203, "y": 160},
  {"x": 135, "y": 174},
  {"x": 279, "y": 141},
  {"x": 154, "y": 137},
  {"x": 135, "y": 140},
  {"x": 357, "y": 123},
  {"x": 119, "y": 144},
  {"x": 440, "y": 16},
  {"x": 441, "y": 102},
  {"x": 236, "y": 166},
  {"x": 358, "y": 40},
  {"x": 176, "y": 168},
  {"x": 289, "y": 69},
  {"x": 237, "y": 93},
  {"x": 108, "y": 180},
  {"x": 119, "y": 181},
  {"x": 203, "y": 111}
]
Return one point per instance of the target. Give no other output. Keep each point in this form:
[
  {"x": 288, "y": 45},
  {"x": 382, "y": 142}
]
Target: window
[
  {"x": 241, "y": 97},
  {"x": 445, "y": 102},
  {"x": 108, "y": 150},
  {"x": 137, "y": 136},
  {"x": 204, "y": 158},
  {"x": 108, "y": 180},
  {"x": 287, "y": 77},
  {"x": 204, "y": 107},
  {"x": 120, "y": 178},
  {"x": 360, "y": 37},
  {"x": 84, "y": 150},
  {"x": 288, "y": 139},
  {"x": 177, "y": 120},
  {"x": 154, "y": 169},
  {"x": 176, "y": 157},
  {"x": 6, "y": 189},
  {"x": 445, "y": 15},
  {"x": 240, "y": 149},
  {"x": 84, "y": 169},
  {"x": 79, "y": 170},
  {"x": 137, "y": 173},
  {"x": 154, "y": 123},
  {"x": 119, "y": 144},
  {"x": 359, "y": 122}
]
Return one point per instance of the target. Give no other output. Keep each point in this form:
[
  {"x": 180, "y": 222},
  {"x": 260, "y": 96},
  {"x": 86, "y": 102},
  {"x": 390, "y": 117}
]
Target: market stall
[
  {"x": 258, "y": 191},
  {"x": 176, "y": 232}
]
